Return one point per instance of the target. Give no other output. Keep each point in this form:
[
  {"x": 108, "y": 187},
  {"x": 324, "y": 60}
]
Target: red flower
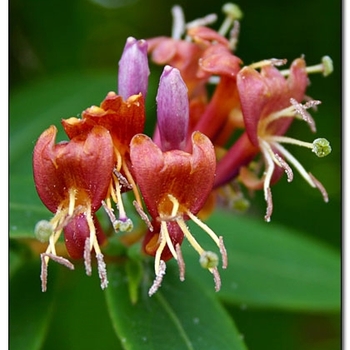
[
  {"x": 175, "y": 186},
  {"x": 270, "y": 102},
  {"x": 123, "y": 119},
  {"x": 72, "y": 179}
]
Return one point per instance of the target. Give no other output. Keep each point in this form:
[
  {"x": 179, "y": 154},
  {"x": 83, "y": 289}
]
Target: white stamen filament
[
  {"x": 294, "y": 162},
  {"x": 165, "y": 233},
  {"x": 178, "y": 28},
  {"x": 72, "y": 193},
  {"x": 159, "y": 253},
  {"x": 286, "y": 139}
]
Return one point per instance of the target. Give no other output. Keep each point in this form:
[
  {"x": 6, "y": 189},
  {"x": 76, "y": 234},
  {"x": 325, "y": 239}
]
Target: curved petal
[
  {"x": 77, "y": 231},
  {"x": 187, "y": 177},
  {"x": 123, "y": 119},
  {"x": 84, "y": 164}
]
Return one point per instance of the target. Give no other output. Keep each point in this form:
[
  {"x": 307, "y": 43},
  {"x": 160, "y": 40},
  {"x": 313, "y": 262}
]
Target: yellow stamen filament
[
  {"x": 293, "y": 161},
  {"x": 159, "y": 253},
  {"x": 122, "y": 212},
  {"x": 205, "y": 227},
  {"x": 271, "y": 61},
  {"x": 286, "y": 139},
  {"x": 165, "y": 233},
  {"x": 132, "y": 183},
  {"x": 188, "y": 235},
  {"x": 72, "y": 192}
]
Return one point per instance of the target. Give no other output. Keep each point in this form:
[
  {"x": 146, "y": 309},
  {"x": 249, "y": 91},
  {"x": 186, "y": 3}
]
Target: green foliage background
[{"x": 282, "y": 288}]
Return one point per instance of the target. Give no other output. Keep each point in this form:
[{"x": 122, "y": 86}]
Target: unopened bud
[
  {"x": 172, "y": 109},
  {"x": 133, "y": 69}
]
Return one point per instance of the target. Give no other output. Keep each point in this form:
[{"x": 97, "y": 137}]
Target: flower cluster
[{"x": 206, "y": 98}]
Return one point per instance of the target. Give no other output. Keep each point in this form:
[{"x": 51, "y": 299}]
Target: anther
[
  {"x": 159, "y": 278},
  {"x": 102, "y": 271}
]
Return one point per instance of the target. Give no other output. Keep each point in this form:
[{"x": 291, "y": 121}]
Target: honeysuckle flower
[
  {"x": 270, "y": 102},
  {"x": 124, "y": 116},
  {"x": 187, "y": 47},
  {"x": 175, "y": 185},
  {"x": 200, "y": 56},
  {"x": 72, "y": 178}
]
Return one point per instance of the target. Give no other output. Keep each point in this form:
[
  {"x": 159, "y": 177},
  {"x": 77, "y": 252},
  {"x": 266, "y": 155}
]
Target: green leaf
[
  {"x": 270, "y": 266},
  {"x": 178, "y": 316},
  {"x": 30, "y": 309}
]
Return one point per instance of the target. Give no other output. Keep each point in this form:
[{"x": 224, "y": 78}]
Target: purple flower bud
[
  {"x": 172, "y": 110},
  {"x": 133, "y": 69}
]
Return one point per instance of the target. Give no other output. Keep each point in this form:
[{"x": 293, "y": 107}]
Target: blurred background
[{"x": 58, "y": 38}]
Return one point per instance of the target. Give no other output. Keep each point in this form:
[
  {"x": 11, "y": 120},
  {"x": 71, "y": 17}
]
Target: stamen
[
  {"x": 176, "y": 205},
  {"x": 320, "y": 187},
  {"x": 287, "y": 169},
  {"x": 301, "y": 110},
  {"x": 292, "y": 160},
  {"x": 43, "y": 274},
  {"x": 325, "y": 67},
  {"x": 102, "y": 272},
  {"x": 178, "y": 28},
  {"x": 122, "y": 180},
  {"x": 270, "y": 165},
  {"x": 189, "y": 236},
  {"x": 92, "y": 228},
  {"x": 44, "y": 263},
  {"x": 217, "y": 279},
  {"x": 124, "y": 223},
  {"x": 223, "y": 252},
  {"x": 165, "y": 234},
  {"x": 204, "y": 21},
  {"x": 159, "y": 251},
  {"x": 180, "y": 262},
  {"x": 234, "y": 34},
  {"x": 233, "y": 13},
  {"x": 143, "y": 215},
  {"x": 269, "y": 208},
  {"x": 72, "y": 193},
  {"x": 159, "y": 278},
  {"x": 132, "y": 183},
  {"x": 218, "y": 240},
  {"x": 87, "y": 257},
  {"x": 272, "y": 61}
]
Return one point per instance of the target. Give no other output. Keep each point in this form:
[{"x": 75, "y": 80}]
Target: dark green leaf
[
  {"x": 30, "y": 309},
  {"x": 178, "y": 316},
  {"x": 270, "y": 266}
]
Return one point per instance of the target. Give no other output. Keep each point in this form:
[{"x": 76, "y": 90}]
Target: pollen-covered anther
[
  {"x": 159, "y": 278},
  {"x": 285, "y": 166},
  {"x": 102, "y": 271},
  {"x": 180, "y": 262},
  {"x": 271, "y": 61},
  {"x": 87, "y": 257},
  {"x": 44, "y": 263}
]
